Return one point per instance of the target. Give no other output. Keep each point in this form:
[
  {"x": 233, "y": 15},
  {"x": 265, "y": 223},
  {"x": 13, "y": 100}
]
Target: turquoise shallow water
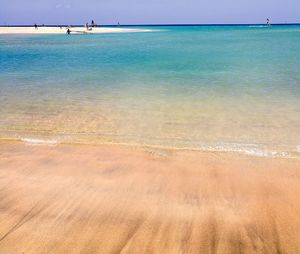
[{"x": 210, "y": 88}]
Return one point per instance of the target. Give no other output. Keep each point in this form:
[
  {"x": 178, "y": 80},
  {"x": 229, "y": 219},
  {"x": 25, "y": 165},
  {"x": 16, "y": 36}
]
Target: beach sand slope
[{"x": 117, "y": 199}]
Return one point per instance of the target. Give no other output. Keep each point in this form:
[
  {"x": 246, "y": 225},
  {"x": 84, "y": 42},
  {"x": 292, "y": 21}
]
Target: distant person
[
  {"x": 119, "y": 24},
  {"x": 68, "y": 31},
  {"x": 93, "y": 23},
  {"x": 35, "y": 26},
  {"x": 87, "y": 26},
  {"x": 268, "y": 22}
]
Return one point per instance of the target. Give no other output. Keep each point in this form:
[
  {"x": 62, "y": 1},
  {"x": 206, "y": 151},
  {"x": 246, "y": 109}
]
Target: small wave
[
  {"x": 248, "y": 149},
  {"x": 258, "y": 150},
  {"x": 31, "y": 141}
]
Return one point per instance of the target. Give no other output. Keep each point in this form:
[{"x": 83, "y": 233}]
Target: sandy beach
[
  {"x": 63, "y": 30},
  {"x": 118, "y": 199}
]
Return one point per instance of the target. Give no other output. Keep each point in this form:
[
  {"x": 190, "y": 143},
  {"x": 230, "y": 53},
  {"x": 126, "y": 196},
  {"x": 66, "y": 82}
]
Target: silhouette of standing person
[{"x": 35, "y": 26}]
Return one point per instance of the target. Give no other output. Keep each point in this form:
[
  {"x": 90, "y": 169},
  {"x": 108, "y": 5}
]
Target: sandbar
[{"x": 63, "y": 30}]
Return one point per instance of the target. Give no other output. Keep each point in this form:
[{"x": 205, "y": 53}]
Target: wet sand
[
  {"x": 63, "y": 30},
  {"x": 118, "y": 199}
]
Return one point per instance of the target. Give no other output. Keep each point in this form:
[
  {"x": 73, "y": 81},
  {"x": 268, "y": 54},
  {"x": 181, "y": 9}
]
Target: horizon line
[{"x": 184, "y": 24}]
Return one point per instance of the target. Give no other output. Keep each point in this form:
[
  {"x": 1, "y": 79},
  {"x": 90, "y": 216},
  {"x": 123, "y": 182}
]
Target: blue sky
[{"x": 148, "y": 11}]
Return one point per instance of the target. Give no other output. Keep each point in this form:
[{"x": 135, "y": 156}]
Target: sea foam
[
  {"x": 248, "y": 149},
  {"x": 31, "y": 141}
]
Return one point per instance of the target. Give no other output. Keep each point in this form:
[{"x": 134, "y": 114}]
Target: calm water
[{"x": 215, "y": 88}]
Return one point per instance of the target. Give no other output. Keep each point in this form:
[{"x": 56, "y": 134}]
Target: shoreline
[
  {"x": 63, "y": 30},
  {"x": 108, "y": 199},
  {"x": 246, "y": 149}
]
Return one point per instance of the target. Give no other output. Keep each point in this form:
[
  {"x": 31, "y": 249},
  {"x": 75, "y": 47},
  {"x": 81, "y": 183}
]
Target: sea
[{"x": 208, "y": 88}]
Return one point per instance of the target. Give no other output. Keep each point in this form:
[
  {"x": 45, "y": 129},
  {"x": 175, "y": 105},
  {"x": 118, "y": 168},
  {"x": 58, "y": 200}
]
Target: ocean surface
[{"x": 234, "y": 88}]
